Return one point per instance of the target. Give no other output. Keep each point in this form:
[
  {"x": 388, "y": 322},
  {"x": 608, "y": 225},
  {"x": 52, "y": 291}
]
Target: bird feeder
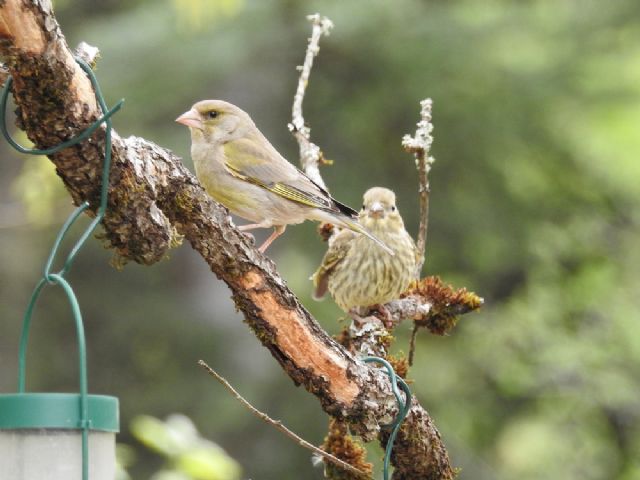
[
  {"x": 41, "y": 436},
  {"x": 57, "y": 436}
]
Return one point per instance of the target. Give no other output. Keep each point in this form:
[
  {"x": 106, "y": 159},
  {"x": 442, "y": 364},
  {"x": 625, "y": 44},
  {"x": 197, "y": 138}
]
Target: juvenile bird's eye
[
  {"x": 212, "y": 114},
  {"x": 393, "y": 208},
  {"x": 363, "y": 207}
]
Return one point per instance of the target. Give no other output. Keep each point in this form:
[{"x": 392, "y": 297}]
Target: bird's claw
[
  {"x": 249, "y": 237},
  {"x": 385, "y": 314}
]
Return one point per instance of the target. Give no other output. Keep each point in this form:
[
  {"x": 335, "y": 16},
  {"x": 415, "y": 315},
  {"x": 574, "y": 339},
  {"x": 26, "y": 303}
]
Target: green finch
[
  {"x": 239, "y": 168},
  {"x": 357, "y": 273}
]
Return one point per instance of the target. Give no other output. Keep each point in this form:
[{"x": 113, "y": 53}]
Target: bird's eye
[
  {"x": 212, "y": 114},
  {"x": 393, "y": 208},
  {"x": 363, "y": 207}
]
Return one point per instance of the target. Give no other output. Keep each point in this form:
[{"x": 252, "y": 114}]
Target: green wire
[
  {"x": 67, "y": 143},
  {"x": 404, "y": 405},
  {"x": 58, "y": 278}
]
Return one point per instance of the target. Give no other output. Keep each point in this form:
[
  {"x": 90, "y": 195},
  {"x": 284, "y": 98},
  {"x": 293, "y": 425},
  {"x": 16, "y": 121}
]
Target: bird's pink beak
[
  {"x": 376, "y": 210},
  {"x": 190, "y": 119}
]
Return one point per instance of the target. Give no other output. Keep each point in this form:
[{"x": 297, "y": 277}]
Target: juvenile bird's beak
[
  {"x": 376, "y": 210},
  {"x": 190, "y": 119}
]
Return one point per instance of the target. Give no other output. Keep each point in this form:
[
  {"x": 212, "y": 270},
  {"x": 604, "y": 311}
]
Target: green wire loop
[
  {"x": 61, "y": 234},
  {"x": 48, "y": 151},
  {"x": 404, "y": 405},
  {"x": 58, "y": 278}
]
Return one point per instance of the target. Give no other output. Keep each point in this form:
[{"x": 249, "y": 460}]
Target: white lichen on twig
[
  {"x": 367, "y": 336},
  {"x": 421, "y": 142},
  {"x": 420, "y": 146},
  {"x": 310, "y": 154},
  {"x": 409, "y": 307}
]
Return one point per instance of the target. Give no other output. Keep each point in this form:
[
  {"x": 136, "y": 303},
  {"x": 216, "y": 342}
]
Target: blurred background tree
[{"x": 535, "y": 205}]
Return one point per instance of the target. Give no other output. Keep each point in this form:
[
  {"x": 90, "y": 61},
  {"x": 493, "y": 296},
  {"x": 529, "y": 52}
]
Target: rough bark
[{"x": 154, "y": 201}]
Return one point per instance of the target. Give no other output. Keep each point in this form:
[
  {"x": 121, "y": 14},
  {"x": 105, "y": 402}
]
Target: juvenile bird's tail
[
  {"x": 353, "y": 224},
  {"x": 320, "y": 284}
]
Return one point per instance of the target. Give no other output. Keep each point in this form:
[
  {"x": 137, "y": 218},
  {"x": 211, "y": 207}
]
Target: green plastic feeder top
[{"x": 20, "y": 411}]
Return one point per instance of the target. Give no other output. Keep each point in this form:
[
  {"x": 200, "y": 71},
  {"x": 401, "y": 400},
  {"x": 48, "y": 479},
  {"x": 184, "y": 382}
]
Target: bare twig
[
  {"x": 412, "y": 342},
  {"x": 420, "y": 145},
  {"x": 310, "y": 153},
  {"x": 278, "y": 424}
]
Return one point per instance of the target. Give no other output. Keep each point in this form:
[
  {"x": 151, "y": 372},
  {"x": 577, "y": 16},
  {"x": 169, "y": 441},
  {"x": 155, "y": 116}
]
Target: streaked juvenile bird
[
  {"x": 358, "y": 273},
  {"x": 239, "y": 168}
]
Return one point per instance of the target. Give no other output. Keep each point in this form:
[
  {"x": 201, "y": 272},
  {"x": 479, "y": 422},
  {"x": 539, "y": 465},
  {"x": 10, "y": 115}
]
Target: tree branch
[
  {"x": 420, "y": 145},
  {"x": 154, "y": 201},
  {"x": 310, "y": 154}
]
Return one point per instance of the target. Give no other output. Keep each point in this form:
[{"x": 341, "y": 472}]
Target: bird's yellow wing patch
[
  {"x": 284, "y": 190},
  {"x": 296, "y": 195}
]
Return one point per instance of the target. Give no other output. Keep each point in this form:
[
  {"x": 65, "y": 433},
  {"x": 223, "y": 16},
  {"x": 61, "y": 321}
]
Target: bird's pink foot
[
  {"x": 355, "y": 316},
  {"x": 277, "y": 231},
  {"x": 385, "y": 314}
]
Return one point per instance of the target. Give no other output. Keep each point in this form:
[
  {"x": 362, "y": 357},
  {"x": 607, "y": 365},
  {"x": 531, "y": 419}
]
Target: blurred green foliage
[
  {"x": 535, "y": 205},
  {"x": 189, "y": 455},
  {"x": 39, "y": 191}
]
